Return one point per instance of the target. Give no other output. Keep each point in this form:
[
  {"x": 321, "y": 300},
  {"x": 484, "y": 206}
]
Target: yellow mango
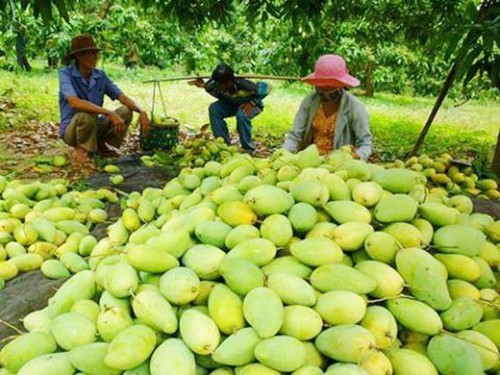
[
  {"x": 236, "y": 213},
  {"x": 382, "y": 324},
  {"x": 226, "y": 309}
]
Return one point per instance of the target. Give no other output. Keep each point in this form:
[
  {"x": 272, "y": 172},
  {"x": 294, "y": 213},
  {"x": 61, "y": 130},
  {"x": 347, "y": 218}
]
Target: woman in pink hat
[{"x": 331, "y": 117}]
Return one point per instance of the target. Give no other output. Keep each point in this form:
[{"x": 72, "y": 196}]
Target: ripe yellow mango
[
  {"x": 263, "y": 310},
  {"x": 237, "y": 213}
]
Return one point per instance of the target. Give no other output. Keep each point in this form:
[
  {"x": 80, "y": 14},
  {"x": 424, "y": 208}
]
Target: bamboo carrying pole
[{"x": 256, "y": 76}]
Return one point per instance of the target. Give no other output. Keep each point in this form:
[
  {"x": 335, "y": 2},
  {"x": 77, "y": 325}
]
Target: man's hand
[
  {"x": 144, "y": 121},
  {"x": 117, "y": 122},
  {"x": 198, "y": 82}
]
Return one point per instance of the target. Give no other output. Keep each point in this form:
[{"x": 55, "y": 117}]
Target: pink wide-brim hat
[{"x": 331, "y": 71}]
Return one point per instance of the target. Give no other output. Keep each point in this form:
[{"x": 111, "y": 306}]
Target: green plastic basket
[{"x": 161, "y": 136}]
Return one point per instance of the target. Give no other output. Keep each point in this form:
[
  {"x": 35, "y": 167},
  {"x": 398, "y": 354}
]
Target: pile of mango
[
  {"x": 193, "y": 152},
  {"x": 289, "y": 264},
  {"x": 446, "y": 175},
  {"x": 43, "y": 225}
]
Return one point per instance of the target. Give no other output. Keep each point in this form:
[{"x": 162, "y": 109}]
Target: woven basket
[{"x": 161, "y": 136}]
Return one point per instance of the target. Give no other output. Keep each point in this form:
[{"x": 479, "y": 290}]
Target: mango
[
  {"x": 337, "y": 187},
  {"x": 322, "y": 229},
  {"x": 394, "y": 208},
  {"x": 263, "y": 310},
  {"x": 199, "y": 332},
  {"x": 54, "y": 269},
  {"x": 56, "y": 214},
  {"x": 351, "y": 236},
  {"x": 341, "y": 307},
  {"x": 121, "y": 280},
  {"x": 74, "y": 262},
  {"x": 277, "y": 229},
  {"x": 27, "y": 262},
  {"x": 241, "y": 275},
  {"x": 212, "y": 233},
  {"x": 377, "y": 363},
  {"x": 312, "y": 192},
  {"x": 381, "y": 246},
  {"x": 225, "y": 307},
  {"x": 204, "y": 260},
  {"x": 172, "y": 357},
  {"x": 491, "y": 254},
  {"x": 130, "y": 347},
  {"x": 111, "y": 321},
  {"x": 117, "y": 233},
  {"x": 389, "y": 281},
  {"x": 316, "y": 251},
  {"x": 287, "y": 264},
  {"x": 459, "y": 239},
  {"x": 345, "y": 368},
  {"x": 291, "y": 289},
  {"x": 463, "y": 313},
  {"x": 425, "y": 229},
  {"x": 425, "y": 276},
  {"x": 237, "y": 213},
  {"x": 238, "y": 349},
  {"x": 150, "y": 259},
  {"x": 71, "y": 330},
  {"x": 367, "y": 193},
  {"x": 240, "y": 234},
  {"x": 410, "y": 362},
  {"x": 141, "y": 235},
  {"x": 282, "y": 353},
  {"x": 454, "y": 356},
  {"x": 483, "y": 345},
  {"x": 48, "y": 364},
  {"x": 88, "y": 308},
  {"x": 491, "y": 329},
  {"x": 180, "y": 285},
  {"x": 153, "y": 310},
  {"x": 489, "y": 298},
  {"x": 267, "y": 200},
  {"x": 382, "y": 324},
  {"x": 15, "y": 354},
  {"x": 459, "y": 266},
  {"x": 257, "y": 250},
  {"x": 487, "y": 278},
  {"x": 438, "y": 214},
  {"x": 460, "y": 288},
  {"x": 302, "y": 217},
  {"x": 415, "y": 315},
  {"x": 90, "y": 359},
  {"x": 397, "y": 180},
  {"x": 301, "y": 322},
  {"x": 341, "y": 277},
  {"x": 346, "y": 343},
  {"x": 346, "y": 211}
]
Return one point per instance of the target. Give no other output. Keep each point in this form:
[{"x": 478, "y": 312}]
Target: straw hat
[{"x": 81, "y": 43}]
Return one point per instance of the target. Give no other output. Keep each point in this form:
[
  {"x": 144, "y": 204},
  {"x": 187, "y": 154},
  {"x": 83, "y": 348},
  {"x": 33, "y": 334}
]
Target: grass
[{"x": 470, "y": 129}]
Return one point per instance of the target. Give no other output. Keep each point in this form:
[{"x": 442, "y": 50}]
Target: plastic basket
[{"x": 161, "y": 136}]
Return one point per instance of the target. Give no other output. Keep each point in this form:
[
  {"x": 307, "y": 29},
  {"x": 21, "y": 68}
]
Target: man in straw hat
[
  {"x": 85, "y": 123},
  {"x": 331, "y": 117}
]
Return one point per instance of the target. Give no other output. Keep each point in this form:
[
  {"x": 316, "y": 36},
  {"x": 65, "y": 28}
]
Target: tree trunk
[
  {"x": 495, "y": 164},
  {"x": 446, "y": 87},
  {"x": 22, "y": 60},
  {"x": 369, "y": 82}
]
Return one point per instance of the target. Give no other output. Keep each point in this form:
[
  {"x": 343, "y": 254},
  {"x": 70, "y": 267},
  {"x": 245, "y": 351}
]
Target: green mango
[
  {"x": 225, "y": 307},
  {"x": 351, "y": 236},
  {"x": 346, "y": 211},
  {"x": 153, "y": 310},
  {"x": 90, "y": 359},
  {"x": 302, "y": 217},
  {"x": 312, "y": 192},
  {"x": 389, "y": 281},
  {"x": 282, "y": 353},
  {"x": 483, "y": 345},
  {"x": 241, "y": 275},
  {"x": 263, "y": 310},
  {"x": 48, "y": 364},
  {"x": 459, "y": 239},
  {"x": 406, "y": 234},
  {"x": 452, "y": 355},
  {"x": 438, "y": 214},
  {"x": 410, "y": 362},
  {"x": 415, "y": 315},
  {"x": 382, "y": 324},
  {"x": 336, "y": 276},
  {"x": 341, "y": 307},
  {"x": 316, "y": 251},
  {"x": 172, "y": 356},
  {"x": 199, "y": 332},
  {"x": 292, "y": 289},
  {"x": 287, "y": 264},
  {"x": 398, "y": 180},
  {"x": 394, "y": 208},
  {"x": 267, "y": 200},
  {"x": 463, "y": 314},
  {"x": 425, "y": 276},
  {"x": 238, "y": 349},
  {"x": 278, "y": 229},
  {"x": 382, "y": 247},
  {"x": 301, "y": 322},
  {"x": 204, "y": 260}
]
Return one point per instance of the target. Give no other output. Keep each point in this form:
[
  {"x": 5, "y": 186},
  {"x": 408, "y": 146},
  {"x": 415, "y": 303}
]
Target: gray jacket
[{"x": 351, "y": 126}]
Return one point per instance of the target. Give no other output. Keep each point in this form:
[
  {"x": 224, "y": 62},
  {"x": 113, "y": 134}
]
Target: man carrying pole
[{"x": 238, "y": 97}]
